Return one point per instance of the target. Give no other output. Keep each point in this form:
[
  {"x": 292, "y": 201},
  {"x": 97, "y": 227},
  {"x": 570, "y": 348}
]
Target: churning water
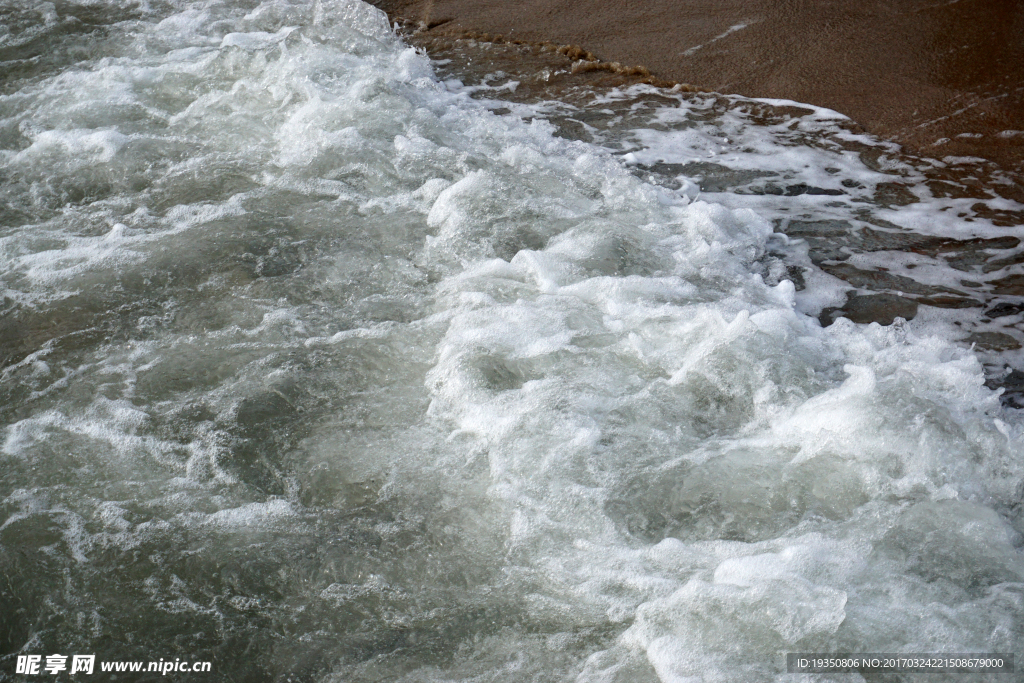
[{"x": 321, "y": 367}]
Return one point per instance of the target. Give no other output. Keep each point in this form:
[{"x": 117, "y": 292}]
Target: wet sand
[{"x": 941, "y": 77}]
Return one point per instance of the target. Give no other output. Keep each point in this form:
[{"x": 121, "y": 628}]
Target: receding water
[{"x": 320, "y": 364}]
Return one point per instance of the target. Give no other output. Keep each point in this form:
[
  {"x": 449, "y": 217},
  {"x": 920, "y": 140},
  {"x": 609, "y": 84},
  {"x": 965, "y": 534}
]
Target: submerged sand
[{"x": 941, "y": 77}]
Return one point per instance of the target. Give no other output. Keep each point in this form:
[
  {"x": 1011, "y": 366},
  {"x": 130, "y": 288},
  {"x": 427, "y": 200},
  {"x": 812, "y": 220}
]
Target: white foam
[{"x": 536, "y": 383}]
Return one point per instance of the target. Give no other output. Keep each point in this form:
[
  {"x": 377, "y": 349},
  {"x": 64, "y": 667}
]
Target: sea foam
[{"x": 323, "y": 368}]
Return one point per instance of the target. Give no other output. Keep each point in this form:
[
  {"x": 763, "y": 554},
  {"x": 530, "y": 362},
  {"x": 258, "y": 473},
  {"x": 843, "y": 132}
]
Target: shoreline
[{"x": 941, "y": 78}]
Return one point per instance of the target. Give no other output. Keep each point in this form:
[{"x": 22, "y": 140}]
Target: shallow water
[
  {"x": 322, "y": 365},
  {"x": 880, "y": 232}
]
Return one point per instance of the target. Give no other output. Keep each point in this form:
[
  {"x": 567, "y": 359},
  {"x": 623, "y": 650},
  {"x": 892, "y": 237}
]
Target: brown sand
[{"x": 941, "y": 77}]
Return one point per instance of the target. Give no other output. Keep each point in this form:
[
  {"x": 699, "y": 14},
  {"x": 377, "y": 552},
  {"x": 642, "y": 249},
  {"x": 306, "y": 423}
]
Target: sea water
[{"x": 322, "y": 365}]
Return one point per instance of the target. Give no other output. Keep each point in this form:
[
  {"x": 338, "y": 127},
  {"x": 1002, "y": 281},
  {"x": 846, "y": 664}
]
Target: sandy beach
[{"x": 943, "y": 78}]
